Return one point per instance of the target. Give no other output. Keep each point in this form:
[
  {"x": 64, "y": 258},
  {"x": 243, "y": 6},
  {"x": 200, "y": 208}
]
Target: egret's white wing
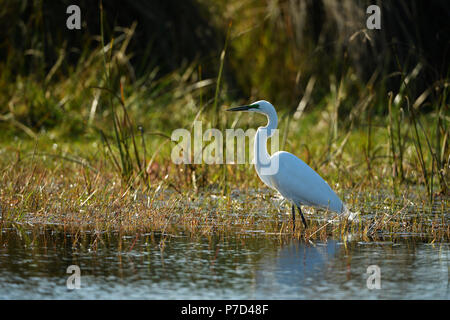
[{"x": 296, "y": 181}]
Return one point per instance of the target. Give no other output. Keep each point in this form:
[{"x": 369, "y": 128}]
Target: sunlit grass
[{"x": 38, "y": 188}]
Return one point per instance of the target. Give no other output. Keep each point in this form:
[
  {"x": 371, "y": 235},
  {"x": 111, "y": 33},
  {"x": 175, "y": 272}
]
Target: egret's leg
[
  {"x": 293, "y": 218},
  {"x": 303, "y": 218}
]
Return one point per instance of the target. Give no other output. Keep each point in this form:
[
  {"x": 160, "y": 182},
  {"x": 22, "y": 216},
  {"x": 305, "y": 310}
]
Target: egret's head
[{"x": 261, "y": 106}]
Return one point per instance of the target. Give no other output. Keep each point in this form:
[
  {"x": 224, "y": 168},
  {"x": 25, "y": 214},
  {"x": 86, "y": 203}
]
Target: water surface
[{"x": 34, "y": 262}]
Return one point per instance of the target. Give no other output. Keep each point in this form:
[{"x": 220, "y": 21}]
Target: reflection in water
[
  {"x": 33, "y": 264},
  {"x": 291, "y": 266}
]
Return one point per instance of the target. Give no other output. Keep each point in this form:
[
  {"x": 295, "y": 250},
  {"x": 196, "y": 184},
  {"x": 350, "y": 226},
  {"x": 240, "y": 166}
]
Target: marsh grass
[
  {"x": 44, "y": 191},
  {"x": 75, "y": 186}
]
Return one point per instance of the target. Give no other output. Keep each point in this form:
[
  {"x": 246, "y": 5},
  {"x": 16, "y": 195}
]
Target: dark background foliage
[{"x": 274, "y": 50}]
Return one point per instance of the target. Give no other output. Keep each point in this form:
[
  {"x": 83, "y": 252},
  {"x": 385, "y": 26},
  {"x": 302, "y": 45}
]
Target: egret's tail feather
[{"x": 348, "y": 214}]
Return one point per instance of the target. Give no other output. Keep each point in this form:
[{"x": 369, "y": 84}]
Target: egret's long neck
[{"x": 262, "y": 157}]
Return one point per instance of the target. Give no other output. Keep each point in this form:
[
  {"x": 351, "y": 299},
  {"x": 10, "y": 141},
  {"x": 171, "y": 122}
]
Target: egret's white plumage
[
  {"x": 302, "y": 185},
  {"x": 293, "y": 178}
]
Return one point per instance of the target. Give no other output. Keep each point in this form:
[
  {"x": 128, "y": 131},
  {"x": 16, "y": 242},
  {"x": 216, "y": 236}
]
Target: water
[{"x": 34, "y": 262}]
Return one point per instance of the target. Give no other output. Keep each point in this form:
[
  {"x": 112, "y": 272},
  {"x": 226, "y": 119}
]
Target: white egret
[{"x": 291, "y": 177}]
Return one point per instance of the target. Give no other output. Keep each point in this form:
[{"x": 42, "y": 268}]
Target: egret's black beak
[{"x": 244, "y": 108}]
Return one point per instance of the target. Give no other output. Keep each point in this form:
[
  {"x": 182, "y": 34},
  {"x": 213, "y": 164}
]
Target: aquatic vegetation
[{"x": 50, "y": 191}]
